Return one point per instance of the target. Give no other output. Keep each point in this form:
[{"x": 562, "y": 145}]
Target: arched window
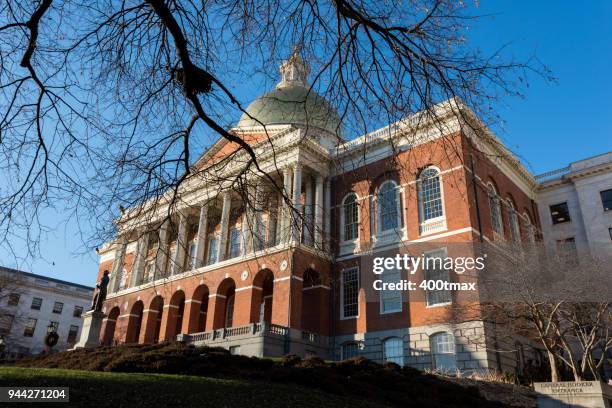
[
  {"x": 443, "y": 352},
  {"x": 350, "y": 217},
  {"x": 388, "y": 207},
  {"x": 495, "y": 208},
  {"x": 515, "y": 229},
  {"x": 430, "y": 194},
  {"x": 349, "y": 350},
  {"x": 229, "y": 312},
  {"x": 393, "y": 350},
  {"x": 529, "y": 228}
]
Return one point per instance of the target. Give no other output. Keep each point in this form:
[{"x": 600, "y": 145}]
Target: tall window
[
  {"x": 54, "y": 325},
  {"x": 495, "y": 207},
  {"x": 350, "y": 292},
  {"x": 443, "y": 352},
  {"x": 430, "y": 194},
  {"x": 235, "y": 242},
  {"x": 388, "y": 206},
  {"x": 30, "y": 327},
  {"x": 229, "y": 312},
  {"x": 435, "y": 271},
  {"x": 149, "y": 272},
  {"x": 351, "y": 218},
  {"x": 213, "y": 243},
  {"x": 260, "y": 236},
  {"x": 349, "y": 350},
  {"x": 123, "y": 279},
  {"x": 393, "y": 350},
  {"x": 515, "y": 229},
  {"x": 191, "y": 260},
  {"x": 529, "y": 228},
  {"x": 6, "y": 323},
  {"x": 391, "y": 300}
]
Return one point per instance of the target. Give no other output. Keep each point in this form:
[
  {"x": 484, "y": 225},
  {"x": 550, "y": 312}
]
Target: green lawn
[{"x": 101, "y": 389}]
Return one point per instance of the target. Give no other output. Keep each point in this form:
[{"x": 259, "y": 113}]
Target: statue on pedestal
[{"x": 100, "y": 295}]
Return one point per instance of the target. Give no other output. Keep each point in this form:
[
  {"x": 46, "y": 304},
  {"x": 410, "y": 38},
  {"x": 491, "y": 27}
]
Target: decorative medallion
[
  {"x": 245, "y": 275},
  {"x": 283, "y": 265}
]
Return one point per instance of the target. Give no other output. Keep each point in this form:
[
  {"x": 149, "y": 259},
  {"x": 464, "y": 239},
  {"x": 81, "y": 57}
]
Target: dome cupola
[{"x": 292, "y": 101}]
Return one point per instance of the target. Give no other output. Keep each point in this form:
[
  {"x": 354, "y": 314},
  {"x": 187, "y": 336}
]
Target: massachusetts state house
[{"x": 284, "y": 274}]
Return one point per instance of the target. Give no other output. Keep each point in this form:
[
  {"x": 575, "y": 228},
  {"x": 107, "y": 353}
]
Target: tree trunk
[{"x": 554, "y": 371}]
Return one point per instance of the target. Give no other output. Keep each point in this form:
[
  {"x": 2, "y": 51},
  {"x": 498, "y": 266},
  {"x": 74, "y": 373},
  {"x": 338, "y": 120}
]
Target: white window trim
[
  {"x": 444, "y": 251},
  {"x": 437, "y": 224},
  {"x": 397, "y": 232},
  {"x": 342, "y": 316},
  {"x": 352, "y": 245}
]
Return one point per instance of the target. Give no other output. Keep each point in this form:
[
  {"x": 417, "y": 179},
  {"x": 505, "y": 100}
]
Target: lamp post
[
  {"x": 2, "y": 347},
  {"x": 51, "y": 338}
]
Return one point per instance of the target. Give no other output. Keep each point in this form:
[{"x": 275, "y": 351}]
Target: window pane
[
  {"x": 430, "y": 195},
  {"x": 235, "y": 241},
  {"x": 495, "y": 207},
  {"x": 559, "y": 213},
  {"x": 36, "y": 303},
  {"x": 391, "y": 300},
  {"x": 606, "y": 199},
  {"x": 515, "y": 229},
  {"x": 58, "y": 307},
  {"x": 435, "y": 271},
  {"x": 13, "y": 299},
  {"x": 350, "y": 292},
  {"x": 351, "y": 218},
  {"x": 191, "y": 262},
  {"x": 212, "y": 249},
  {"x": 443, "y": 350},
  {"x": 78, "y": 310},
  {"x": 72, "y": 334},
  {"x": 349, "y": 350},
  {"x": 393, "y": 350},
  {"x": 30, "y": 327},
  {"x": 388, "y": 202}
]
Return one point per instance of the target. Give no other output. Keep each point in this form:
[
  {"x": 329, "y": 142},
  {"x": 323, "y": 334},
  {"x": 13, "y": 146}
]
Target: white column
[
  {"x": 117, "y": 268},
  {"x": 248, "y": 220},
  {"x": 404, "y": 216},
  {"x": 139, "y": 260},
  {"x": 327, "y": 210},
  {"x": 202, "y": 233},
  {"x": 308, "y": 211},
  {"x": 297, "y": 204},
  {"x": 318, "y": 223},
  {"x": 178, "y": 262},
  {"x": 162, "y": 251},
  {"x": 227, "y": 203},
  {"x": 285, "y": 227}
]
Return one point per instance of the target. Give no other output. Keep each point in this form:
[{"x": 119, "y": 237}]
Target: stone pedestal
[
  {"x": 583, "y": 394},
  {"x": 90, "y": 333}
]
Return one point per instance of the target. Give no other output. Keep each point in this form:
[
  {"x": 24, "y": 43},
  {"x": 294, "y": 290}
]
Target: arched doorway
[
  {"x": 199, "y": 310},
  {"x": 111, "y": 323},
  {"x": 176, "y": 311},
  {"x": 134, "y": 323},
  {"x": 224, "y": 304},
  {"x": 154, "y": 318},
  {"x": 261, "y": 297}
]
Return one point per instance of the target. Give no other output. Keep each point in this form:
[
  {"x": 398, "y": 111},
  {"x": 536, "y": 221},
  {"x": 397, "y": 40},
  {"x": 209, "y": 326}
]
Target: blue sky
[{"x": 556, "y": 123}]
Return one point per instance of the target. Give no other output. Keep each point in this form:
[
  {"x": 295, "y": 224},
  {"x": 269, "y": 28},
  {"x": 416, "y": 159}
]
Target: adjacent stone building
[
  {"x": 30, "y": 303},
  {"x": 269, "y": 279}
]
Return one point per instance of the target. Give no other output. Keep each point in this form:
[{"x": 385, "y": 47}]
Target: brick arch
[
  {"x": 152, "y": 318},
  {"x": 174, "y": 316},
  {"x": 134, "y": 322},
  {"x": 109, "y": 328},
  {"x": 262, "y": 296},
  {"x": 223, "y": 304},
  {"x": 196, "y": 310}
]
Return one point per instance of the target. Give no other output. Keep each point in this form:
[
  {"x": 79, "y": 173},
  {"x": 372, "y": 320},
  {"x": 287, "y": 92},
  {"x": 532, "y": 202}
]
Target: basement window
[{"x": 560, "y": 213}]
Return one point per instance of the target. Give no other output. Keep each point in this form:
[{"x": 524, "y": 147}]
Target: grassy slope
[{"x": 159, "y": 390}]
